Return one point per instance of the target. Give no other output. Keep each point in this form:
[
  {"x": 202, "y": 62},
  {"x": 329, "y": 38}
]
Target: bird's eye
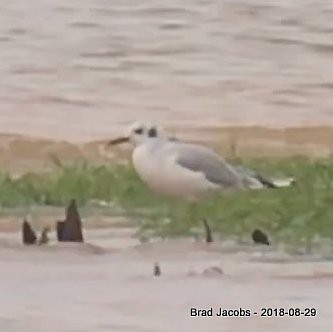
[
  {"x": 138, "y": 131},
  {"x": 152, "y": 132}
]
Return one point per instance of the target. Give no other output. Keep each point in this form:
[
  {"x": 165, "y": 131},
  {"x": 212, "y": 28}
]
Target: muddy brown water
[
  {"x": 95, "y": 66},
  {"x": 84, "y": 68}
]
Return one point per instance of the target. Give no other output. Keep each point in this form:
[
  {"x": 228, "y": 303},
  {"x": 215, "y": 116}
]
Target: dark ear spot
[
  {"x": 138, "y": 131},
  {"x": 152, "y": 132}
]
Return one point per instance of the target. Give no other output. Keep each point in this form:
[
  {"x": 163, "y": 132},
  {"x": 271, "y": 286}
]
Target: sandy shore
[{"x": 19, "y": 153}]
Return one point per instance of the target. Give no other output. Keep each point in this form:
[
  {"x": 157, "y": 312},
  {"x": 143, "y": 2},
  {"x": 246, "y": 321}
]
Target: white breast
[{"x": 163, "y": 175}]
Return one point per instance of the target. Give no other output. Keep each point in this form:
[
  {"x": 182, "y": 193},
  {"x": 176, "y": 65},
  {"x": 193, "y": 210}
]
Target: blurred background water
[{"x": 80, "y": 68}]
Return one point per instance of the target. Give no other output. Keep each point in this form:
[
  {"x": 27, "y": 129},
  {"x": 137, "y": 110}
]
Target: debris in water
[
  {"x": 28, "y": 234},
  {"x": 209, "y": 237},
  {"x": 44, "y": 238},
  {"x": 157, "y": 270},
  {"x": 212, "y": 271},
  {"x": 70, "y": 230},
  {"x": 260, "y": 237}
]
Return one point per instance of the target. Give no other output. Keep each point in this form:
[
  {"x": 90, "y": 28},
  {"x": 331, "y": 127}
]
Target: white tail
[{"x": 282, "y": 183}]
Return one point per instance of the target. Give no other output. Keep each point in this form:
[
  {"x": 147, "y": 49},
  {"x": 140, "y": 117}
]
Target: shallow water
[
  {"x": 78, "y": 288},
  {"x": 81, "y": 68}
]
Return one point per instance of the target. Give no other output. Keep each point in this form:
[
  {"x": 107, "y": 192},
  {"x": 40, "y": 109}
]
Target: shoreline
[
  {"x": 320, "y": 134},
  {"x": 20, "y": 153}
]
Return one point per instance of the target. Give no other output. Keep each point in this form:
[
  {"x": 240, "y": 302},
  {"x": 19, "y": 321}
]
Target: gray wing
[{"x": 215, "y": 169}]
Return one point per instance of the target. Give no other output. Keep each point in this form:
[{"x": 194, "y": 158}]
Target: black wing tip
[{"x": 266, "y": 182}]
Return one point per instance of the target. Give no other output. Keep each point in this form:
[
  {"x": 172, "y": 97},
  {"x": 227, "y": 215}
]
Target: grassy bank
[{"x": 298, "y": 214}]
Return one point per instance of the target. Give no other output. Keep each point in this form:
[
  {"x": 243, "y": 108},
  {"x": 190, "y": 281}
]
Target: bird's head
[{"x": 136, "y": 134}]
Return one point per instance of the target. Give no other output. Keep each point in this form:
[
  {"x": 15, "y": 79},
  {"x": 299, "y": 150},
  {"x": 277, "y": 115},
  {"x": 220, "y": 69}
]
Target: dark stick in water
[
  {"x": 157, "y": 270},
  {"x": 28, "y": 234}
]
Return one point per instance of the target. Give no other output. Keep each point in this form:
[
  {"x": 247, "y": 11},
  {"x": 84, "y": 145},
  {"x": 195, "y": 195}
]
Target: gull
[{"x": 187, "y": 171}]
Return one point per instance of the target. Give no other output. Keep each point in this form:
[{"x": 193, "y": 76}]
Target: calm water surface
[{"x": 81, "y": 68}]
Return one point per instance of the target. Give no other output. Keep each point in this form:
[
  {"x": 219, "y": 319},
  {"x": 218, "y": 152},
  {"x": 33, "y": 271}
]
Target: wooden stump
[
  {"x": 28, "y": 234},
  {"x": 70, "y": 230},
  {"x": 60, "y": 230}
]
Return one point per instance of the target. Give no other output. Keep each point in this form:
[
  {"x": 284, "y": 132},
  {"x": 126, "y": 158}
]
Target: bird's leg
[
  {"x": 208, "y": 231},
  {"x": 194, "y": 216}
]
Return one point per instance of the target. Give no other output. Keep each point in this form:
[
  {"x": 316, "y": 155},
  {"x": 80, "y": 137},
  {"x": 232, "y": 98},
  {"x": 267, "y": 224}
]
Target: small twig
[
  {"x": 56, "y": 160},
  {"x": 157, "y": 270},
  {"x": 44, "y": 239},
  {"x": 233, "y": 147}
]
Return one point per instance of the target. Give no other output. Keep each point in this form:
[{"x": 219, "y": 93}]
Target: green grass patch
[{"x": 296, "y": 214}]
